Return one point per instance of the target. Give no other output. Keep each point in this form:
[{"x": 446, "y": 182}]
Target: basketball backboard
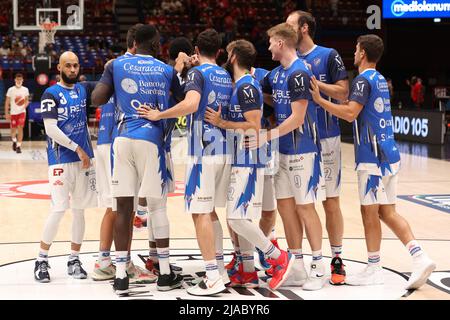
[{"x": 69, "y": 17}]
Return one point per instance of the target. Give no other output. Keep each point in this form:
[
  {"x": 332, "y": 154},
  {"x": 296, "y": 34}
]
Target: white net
[{"x": 47, "y": 34}]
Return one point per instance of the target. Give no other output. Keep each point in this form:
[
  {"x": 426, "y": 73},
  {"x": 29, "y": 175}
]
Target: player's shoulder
[
  {"x": 301, "y": 66},
  {"x": 53, "y": 90}
]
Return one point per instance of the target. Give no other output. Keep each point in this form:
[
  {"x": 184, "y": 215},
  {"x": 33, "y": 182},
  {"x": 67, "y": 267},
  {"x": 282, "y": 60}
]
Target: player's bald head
[
  {"x": 69, "y": 67},
  {"x": 68, "y": 56}
]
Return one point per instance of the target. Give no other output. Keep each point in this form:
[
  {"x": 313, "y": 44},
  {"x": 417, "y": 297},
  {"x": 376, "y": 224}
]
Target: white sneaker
[
  {"x": 423, "y": 266},
  {"x": 297, "y": 278},
  {"x": 316, "y": 279},
  {"x": 207, "y": 287},
  {"x": 226, "y": 280},
  {"x": 372, "y": 275}
]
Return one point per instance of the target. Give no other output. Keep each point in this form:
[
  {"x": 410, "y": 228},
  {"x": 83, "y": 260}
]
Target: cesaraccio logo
[{"x": 399, "y": 7}]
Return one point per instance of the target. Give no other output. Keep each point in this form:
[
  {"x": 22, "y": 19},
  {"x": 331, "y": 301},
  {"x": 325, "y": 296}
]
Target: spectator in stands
[
  {"x": 417, "y": 91},
  {"x": 334, "y": 7},
  {"x": 4, "y": 50},
  {"x": 82, "y": 78}
]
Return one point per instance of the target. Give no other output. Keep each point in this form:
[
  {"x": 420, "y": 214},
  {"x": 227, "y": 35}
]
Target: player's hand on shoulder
[
  {"x": 148, "y": 113},
  {"x": 314, "y": 89}
]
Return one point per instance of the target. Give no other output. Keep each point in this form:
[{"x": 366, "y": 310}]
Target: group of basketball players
[{"x": 258, "y": 141}]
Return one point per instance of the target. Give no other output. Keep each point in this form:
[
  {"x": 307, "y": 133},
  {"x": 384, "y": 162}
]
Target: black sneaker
[
  {"x": 168, "y": 282},
  {"x": 121, "y": 286},
  {"x": 18, "y": 150},
  {"x": 41, "y": 271},
  {"x": 75, "y": 269},
  {"x": 154, "y": 267},
  {"x": 14, "y": 146}
]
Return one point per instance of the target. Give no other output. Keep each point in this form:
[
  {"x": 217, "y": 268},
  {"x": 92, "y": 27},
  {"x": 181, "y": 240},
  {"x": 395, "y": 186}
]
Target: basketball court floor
[{"x": 424, "y": 200}]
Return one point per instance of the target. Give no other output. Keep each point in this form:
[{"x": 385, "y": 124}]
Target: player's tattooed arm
[{"x": 348, "y": 111}]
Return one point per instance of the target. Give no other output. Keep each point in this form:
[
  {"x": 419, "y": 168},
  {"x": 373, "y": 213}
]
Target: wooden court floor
[{"x": 24, "y": 207}]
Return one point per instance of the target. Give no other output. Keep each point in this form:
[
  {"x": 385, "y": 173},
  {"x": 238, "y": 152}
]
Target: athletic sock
[
  {"x": 336, "y": 251},
  {"x": 163, "y": 258},
  {"x": 415, "y": 250},
  {"x": 121, "y": 264},
  {"x": 104, "y": 259},
  {"x": 43, "y": 255},
  {"x": 212, "y": 270},
  {"x": 374, "y": 259}
]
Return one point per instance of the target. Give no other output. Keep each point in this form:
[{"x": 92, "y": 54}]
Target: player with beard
[{"x": 71, "y": 174}]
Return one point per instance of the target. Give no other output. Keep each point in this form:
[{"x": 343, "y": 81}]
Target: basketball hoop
[{"x": 47, "y": 34}]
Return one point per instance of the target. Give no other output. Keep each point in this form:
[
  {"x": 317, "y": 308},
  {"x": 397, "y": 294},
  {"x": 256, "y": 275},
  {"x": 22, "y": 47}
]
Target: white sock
[
  {"x": 415, "y": 250},
  {"x": 163, "y": 258},
  {"x": 299, "y": 263},
  {"x": 218, "y": 236},
  {"x": 336, "y": 251},
  {"x": 374, "y": 259},
  {"x": 212, "y": 270},
  {"x": 247, "y": 248},
  {"x": 272, "y": 235},
  {"x": 317, "y": 257},
  {"x": 121, "y": 264},
  {"x": 14, "y": 139},
  {"x": 19, "y": 144},
  {"x": 141, "y": 212},
  {"x": 248, "y": 261},
  {"x": 104, "y": 259},
  {"x": 43, "y": 255},
  {"x": 271, "y": 251},
  {"x": 74, "y": 255},
  {"x": 153, "y": 254}
]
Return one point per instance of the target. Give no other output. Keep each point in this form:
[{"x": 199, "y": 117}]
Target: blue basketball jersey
[
  {"x": 107, "y": 127},
  {"x": 328, "y": 67},
  {"x": 286, "y": 86},
  {"x": 214, "y": 85},
  {"x": 68, "y": 106},
  {"x": 140, "y": 80},
  {"x": 375, "y": 146},
  {"x": 247, "y": 96}
]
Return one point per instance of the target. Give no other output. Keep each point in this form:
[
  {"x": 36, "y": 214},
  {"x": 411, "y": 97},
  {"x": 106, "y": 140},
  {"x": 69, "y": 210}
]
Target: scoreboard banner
[
  {"x": 404, "y": 9},
  {"x": 419, "y": 126}
]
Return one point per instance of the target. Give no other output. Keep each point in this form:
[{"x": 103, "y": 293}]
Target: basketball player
[
  {"x": 71, "y": 174},
  {"x": 327, "y": 66},
  {"x": 17, "y": 99},
  {"x": 268, "y": 216},
  {"x": 269, "y": 202},
  {"x": 245, "y": 191},
  {"x": 377, "y": 163},
  {"x": 139, "y": 162},
  {"x": 208, "y": 169},
  {"x": 298, "y": 181},
  {"x": 104, "y": 268},
  {"x": 177, "y": 46}
]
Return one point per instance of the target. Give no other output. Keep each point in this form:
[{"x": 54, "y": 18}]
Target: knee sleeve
[
  {"x": 160, "y": 224},
  {"x": 51, "y": 226},
  {"x": 78, "y": 225},
  {"x": 151, "y": 236},
  {"x": 251, "y": 232}
]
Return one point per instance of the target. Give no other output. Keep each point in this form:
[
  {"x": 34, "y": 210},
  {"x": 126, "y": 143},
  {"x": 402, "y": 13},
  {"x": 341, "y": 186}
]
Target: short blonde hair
[{"x": 285, "y": 32}]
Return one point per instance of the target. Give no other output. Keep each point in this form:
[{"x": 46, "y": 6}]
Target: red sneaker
[
  {"x": 232, "y": 263},
  {"x": 235, "y": 277},
  {"x": 149, "y": 265},
  {"x": 275, "y": 243},
  {"x": 282, "y": 267},
  {"x": 269, "y": 271}
]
